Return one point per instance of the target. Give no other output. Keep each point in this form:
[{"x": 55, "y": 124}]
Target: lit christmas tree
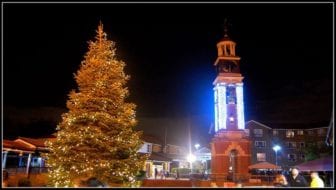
[{"x": 96, "y": 137}]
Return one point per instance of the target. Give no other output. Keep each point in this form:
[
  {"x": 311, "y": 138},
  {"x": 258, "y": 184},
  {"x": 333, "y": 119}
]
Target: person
[
  {"x": 155, "y": 172},
  {"x": 167, "y": 174},
  {"x": 297, "y": 180},
  {"x": 177, "y": 174},
  {"x": 280, "y": 181},
  {"x": 94, "y": 182},
  {"x": 162, "y": 173},
  {"x": 213, "y": 184},
  {"x": 316, "y": 180}
]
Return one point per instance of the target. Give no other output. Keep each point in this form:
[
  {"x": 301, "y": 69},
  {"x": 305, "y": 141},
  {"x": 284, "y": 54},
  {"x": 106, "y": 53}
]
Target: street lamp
[
  {"x": 276, "y": 148},
  {"x": 191, "y": 158},
  {"x": 197, "y": 146}
]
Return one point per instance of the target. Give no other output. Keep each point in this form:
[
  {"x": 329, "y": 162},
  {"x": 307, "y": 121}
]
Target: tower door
[{"x": 232, "y": 165}]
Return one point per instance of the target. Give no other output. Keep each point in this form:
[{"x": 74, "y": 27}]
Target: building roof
[
  {"x": 203, "y": 150},
  {"x": 17, "y": 145},
  {"x": 321, "y": 164},
  {"x": 26, "y": 144},
  {"x": 36, "y": 142},
  {"x": 264, "y": 165},
  {"x": 258, "y": 123},
  {"x": 151, "y": 139},
  {"x": 287, "y": 126}
]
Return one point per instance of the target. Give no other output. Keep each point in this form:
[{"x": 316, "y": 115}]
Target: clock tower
[{"x": 230, "y": 147}]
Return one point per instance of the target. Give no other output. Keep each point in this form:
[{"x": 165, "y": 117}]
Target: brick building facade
[{"x": 292, "y": 142}]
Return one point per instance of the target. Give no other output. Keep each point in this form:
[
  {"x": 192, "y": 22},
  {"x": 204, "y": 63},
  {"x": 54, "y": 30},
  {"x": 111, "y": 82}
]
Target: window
[
  {"x": 302, "y": 156},
  {"x": 300, "y": 132},
  {"x": 258, "y": 132},
  {"x": 149, "y": 148},
  {"x": 292, "y": 157},
  {"x": 275, "y": 132},
  {"x": 260, "y": 144},
  {"x": 290, "y": 144},
  {"x": 289, "y": 133},
  {"x": 247, "y": 132},
  {"x": 302, "y": 144},
  {"x": 310, "y": 133},
  {"x": 261, "y": 157}
]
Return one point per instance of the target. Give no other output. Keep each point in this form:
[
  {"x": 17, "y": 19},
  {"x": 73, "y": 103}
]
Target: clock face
[{"x": 228, "y": 67}]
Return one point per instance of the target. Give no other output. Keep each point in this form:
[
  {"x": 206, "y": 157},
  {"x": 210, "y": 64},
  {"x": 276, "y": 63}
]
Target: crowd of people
[
  {"x": 162, "y": 173},
  {"x": 295, "y": 179}
]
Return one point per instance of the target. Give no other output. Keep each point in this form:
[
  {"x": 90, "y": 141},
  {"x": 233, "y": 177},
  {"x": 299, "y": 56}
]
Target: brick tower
[{"x": 230, "y": 147}]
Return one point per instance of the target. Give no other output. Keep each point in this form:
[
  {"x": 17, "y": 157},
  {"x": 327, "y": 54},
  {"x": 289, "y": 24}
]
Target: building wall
[
  {"x": 266, "y": 137},
  {"x": 146, "y": 148},
  {"x": 291, "y": 141},
  {"x": 234, "y": 145},
  {"x": 156, "y": 148},
  {"x": 174, "y": 149}
]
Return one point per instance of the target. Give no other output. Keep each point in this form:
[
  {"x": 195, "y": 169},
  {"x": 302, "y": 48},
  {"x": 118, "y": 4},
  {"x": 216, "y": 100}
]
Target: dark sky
[{"x": 169, "y": 49}]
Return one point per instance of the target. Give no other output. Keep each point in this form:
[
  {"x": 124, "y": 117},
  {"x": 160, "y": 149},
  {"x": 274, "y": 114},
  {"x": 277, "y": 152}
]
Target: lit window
[
  {"x": 275, "y": 132},
  {"x": 260, "y": 144},
  {"x": 300, "y": 132},
  {"x": 258, "y": 132},
  {"x": 289, "y": 133},
  {"x": 261, "y": 157},
  {"x": 292, "y": 157}
]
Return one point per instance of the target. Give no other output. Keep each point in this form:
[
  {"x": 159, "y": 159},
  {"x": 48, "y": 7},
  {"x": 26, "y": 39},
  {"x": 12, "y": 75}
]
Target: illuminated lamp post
[
  {"x": 191, "y": 158},
  {"x": 276, "y": 148},
  {"x": 197, "y": 146}
]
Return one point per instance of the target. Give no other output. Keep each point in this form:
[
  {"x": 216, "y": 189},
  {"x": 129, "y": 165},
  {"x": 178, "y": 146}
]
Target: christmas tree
[{"x": 96, "y": 137}]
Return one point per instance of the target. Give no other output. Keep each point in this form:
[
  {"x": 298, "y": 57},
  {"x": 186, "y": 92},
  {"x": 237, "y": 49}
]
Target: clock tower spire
[{"x": 229, "y": 104}]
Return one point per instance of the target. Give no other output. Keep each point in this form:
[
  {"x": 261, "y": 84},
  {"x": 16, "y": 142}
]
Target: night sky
[{"x": 169, "y": 49}]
